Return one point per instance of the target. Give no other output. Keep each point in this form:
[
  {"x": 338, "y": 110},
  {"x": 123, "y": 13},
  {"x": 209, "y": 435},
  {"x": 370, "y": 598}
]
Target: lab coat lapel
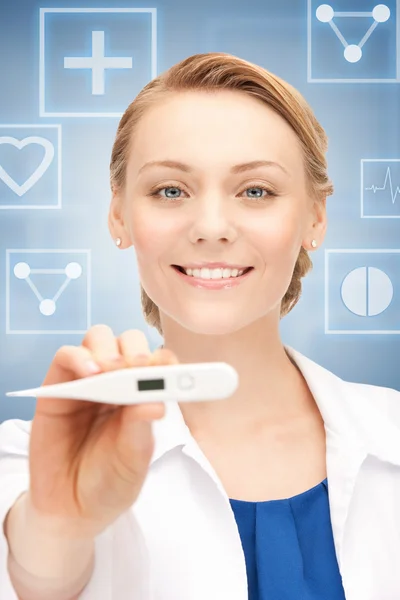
[
  {"x": 351, "y": 416},
  {"x": 345, "y": 450},
  {"x": 210, "y": 536}
]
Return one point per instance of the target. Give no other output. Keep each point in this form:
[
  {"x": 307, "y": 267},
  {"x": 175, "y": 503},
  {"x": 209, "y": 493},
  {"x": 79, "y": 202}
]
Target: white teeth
[{"x": 214, "y": 273}]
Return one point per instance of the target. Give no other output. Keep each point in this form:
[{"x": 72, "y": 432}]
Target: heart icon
[{"x": 20, "y": 190}]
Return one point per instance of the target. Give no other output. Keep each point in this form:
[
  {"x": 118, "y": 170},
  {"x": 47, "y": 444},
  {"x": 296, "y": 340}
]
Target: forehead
[{"x": 214, "y": 128}]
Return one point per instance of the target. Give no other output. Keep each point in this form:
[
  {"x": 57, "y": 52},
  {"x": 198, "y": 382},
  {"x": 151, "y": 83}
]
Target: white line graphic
[
  {"x": 47, "y": 306},
  {"x": 20, "y": 190},
  {"x": 98, "y": 63},
  {"x": 387, "y": 187},
  {"x": 43, "y": 112},
  {"x": 367, "y": 251},
  {"x": 352, "y": 53},
  {"x": 388, "y": 178}
]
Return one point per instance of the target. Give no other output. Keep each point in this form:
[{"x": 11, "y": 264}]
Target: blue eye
[
  {"x": 263, "y": 189},
  {"x": 269, "y": 194},
  {"x": 170, "y": 187}
]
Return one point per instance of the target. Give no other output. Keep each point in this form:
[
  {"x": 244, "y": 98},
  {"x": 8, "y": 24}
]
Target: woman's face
[{"x": 209, "y": 210}]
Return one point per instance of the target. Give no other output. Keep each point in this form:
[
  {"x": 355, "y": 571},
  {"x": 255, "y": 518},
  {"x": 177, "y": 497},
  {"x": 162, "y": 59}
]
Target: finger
[
  {"x": 135, "y": 339},
  {"x": 132, "y": 451},
  {"x": 147, "y": 411},
  {"x": 69, "y": 363},
  {"x": 132, "y": 343},
  {"x": 103, "y": 344},
  {"x": 153, "y": 410},
  {"x": 164, "y": 356}
]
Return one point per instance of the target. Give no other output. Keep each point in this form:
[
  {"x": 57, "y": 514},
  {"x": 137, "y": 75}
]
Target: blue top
[{"x": 288, "y": 546}]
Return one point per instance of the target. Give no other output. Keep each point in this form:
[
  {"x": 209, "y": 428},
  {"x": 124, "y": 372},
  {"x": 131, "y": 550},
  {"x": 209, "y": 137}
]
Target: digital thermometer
[{"x": 136, "y": 385}]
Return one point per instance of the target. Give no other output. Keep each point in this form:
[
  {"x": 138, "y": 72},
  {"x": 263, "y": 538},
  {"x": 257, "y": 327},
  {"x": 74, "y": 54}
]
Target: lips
[
  {"x": 221, "y": 284},
  {"x": 181, "y": 269}
]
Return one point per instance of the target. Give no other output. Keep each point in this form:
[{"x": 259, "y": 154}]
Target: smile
[{"x": 213, "y": 284}]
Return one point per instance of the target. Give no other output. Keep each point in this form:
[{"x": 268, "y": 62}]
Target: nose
[{"x": 213, "y": 219}]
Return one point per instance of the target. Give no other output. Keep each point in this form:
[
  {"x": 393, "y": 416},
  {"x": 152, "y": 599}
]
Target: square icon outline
[
  {"x": 42, "y": 74},
  {"x": 311, "y": 79},
  {"x": 59, "y": 167},
  {"x": 10, "y": 251},
  {"x": 364, "y": 160},
  {"x": 326, "y": 303}
]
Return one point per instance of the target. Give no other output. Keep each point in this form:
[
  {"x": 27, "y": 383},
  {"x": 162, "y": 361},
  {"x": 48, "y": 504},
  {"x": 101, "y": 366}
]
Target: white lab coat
[{"x": 180, "y": 540}]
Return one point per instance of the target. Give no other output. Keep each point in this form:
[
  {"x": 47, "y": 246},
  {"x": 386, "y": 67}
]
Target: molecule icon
[
  {"x": 48, "y": 306},
  {"x": 352, "y": 52}
]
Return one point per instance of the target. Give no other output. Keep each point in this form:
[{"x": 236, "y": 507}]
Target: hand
[{"x": 88, "y": 461}]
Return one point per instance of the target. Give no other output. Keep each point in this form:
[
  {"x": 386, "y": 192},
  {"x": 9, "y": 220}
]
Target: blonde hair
[{"x": 220, "y": 71}]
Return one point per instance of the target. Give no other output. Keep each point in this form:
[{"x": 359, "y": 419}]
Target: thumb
[{"x": 134, "y": 445}]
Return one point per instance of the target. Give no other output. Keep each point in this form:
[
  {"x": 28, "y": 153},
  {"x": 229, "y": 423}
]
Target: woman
[{"x": 215, "y": 161}]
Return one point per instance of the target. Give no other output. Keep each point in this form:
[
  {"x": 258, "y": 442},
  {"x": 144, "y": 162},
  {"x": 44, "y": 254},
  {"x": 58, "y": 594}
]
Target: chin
[
  {"x": 212, "y": 324},
  {"x": 212, "y": 329}
]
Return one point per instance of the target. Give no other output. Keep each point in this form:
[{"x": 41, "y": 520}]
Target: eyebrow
[{"x": 173, "y": 164}]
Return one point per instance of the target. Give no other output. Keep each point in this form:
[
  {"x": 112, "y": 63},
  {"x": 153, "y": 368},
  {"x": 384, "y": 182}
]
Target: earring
[
  {"x": 313, "y": 243},
  {"x": 118, "y": 241}
]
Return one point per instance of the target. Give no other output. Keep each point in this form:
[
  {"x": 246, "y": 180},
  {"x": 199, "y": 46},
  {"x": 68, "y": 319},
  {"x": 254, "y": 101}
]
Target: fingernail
[{"x": 92, "y": 367}]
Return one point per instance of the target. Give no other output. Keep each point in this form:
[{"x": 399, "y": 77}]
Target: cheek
[
  {"x": 152, "y": 234},
  {"x": 278, "y": 238}
]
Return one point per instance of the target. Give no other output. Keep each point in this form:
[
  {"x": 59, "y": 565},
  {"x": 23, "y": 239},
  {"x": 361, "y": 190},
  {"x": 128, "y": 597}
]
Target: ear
[
  {"x": 318, "y": 223},
  {"x": 116, "y": 223}
]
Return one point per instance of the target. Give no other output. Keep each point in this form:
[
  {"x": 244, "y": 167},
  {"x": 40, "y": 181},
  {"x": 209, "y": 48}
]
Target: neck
[{"x": 271, "y": 388}]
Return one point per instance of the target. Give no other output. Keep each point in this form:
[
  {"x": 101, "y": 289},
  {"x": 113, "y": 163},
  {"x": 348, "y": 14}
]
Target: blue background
[{"x": 360, "y": 118}]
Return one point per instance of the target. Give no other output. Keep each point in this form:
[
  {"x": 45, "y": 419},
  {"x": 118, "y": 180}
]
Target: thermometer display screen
[{"x": 150, "y": 384}]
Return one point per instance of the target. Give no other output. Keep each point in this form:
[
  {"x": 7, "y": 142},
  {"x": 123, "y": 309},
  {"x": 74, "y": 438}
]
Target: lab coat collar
[
  {"x": 358, "y": 414},
  {"x": 349, "y": 415},
  {"x": 356, "y": 426}
]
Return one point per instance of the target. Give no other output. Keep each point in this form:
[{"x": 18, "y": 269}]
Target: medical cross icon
[
  {"x": 94, "y": 61},
  {"x": 98, "y": 63}
]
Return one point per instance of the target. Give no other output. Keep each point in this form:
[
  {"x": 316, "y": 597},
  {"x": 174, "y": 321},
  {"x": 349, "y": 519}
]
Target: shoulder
[
  {"x": 375, "y": 406},
  {"x": 362, "y": 401},
  {"x": 14, "y": 437},
  {"x": 385, "y": 399}
]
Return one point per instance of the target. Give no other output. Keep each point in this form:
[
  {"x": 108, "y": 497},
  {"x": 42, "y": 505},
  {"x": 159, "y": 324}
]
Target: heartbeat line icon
[{"x": 388, "y": 178}]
